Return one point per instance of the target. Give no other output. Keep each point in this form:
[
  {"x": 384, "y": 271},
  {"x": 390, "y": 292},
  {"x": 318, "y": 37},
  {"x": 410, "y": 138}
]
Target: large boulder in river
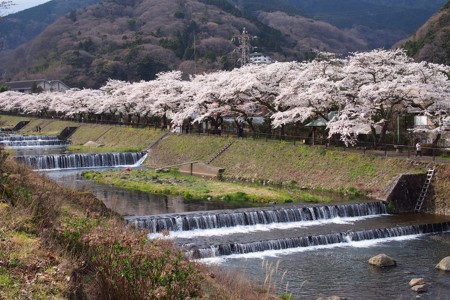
[
  {"x": 444, "y": 264},
  {"x": 382, "y": 261},
  {"x": 421, "y": 288},
  {"x": 416, "y": 281}
]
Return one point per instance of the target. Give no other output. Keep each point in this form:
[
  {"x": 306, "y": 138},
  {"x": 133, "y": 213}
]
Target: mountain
[
  {"x": 382, "y": 22},
  {"x": 135, "y": 39},
  {"x": 432, "y": 41},
  {"x": 19, "y": 28}
]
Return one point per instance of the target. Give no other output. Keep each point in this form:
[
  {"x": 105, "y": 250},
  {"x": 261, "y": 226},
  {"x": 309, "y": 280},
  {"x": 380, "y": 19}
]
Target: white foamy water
[
  {"x": 256, "y": 228},
  {"x": 277, "y": 253}
]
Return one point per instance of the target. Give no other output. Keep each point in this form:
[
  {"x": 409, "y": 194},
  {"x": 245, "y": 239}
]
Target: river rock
[
  {"x": 421, "y": 288},
  {"x": 444, "y": 264},
  {"x": 417, "y": 281},
  {"x": 382, "y": 260},
  {"x": 332, "y": 298}
]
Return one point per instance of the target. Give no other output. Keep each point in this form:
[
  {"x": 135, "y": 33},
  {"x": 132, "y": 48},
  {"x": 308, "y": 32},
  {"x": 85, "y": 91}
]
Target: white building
[
  {"x": 259, "y": 58},
  {"x": 42, "y": 85}
]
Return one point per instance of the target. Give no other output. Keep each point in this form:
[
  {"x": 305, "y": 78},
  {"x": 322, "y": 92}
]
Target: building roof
[
  {"x": 28, "y": 84},
  {"x": 320, "y": 121},
  {"x": 22, "y": 85}
]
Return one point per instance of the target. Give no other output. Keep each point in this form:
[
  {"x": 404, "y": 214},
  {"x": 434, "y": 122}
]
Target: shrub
[{"x": 129, "y": 266}]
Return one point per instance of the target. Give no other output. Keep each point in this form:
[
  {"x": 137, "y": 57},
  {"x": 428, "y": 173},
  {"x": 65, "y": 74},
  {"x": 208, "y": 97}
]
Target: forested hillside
[
  {"x": 134, "y": 40},
  {"x": 380, "y": 23},
  {"x": 432, "y": 41},
  {"x": 21, "y": 27}
]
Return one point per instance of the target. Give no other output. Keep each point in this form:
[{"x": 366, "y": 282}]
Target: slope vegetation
[
  {"x": 272, "y": 162},
  {"x": 24, "y": 26},
  {"x": 134, "y": 40},
  {"x": 432, "y": 41}
]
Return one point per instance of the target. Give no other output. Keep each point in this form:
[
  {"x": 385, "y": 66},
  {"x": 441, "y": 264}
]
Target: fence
[{"x": 429, "y": 152}]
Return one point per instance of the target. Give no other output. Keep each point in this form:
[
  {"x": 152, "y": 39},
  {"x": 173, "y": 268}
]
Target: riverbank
[
  {"x": 261, "y": 161},
  {"x": 57, "y": 243},
  {"x": 194, "y": 188}
]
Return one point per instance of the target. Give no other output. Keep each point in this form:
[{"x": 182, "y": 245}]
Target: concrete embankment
[{"x": 269, "y": 162}]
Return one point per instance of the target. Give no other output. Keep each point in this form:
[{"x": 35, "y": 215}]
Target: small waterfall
[
  {"x": 79, "y": 161},
  {"x": 14, "y": 141},
  {"x": 309, "y": 241},
  {"x": 19, "y": 137},
  {"x": 208, "y": 220},
  {"x": 34, "y": 143}
]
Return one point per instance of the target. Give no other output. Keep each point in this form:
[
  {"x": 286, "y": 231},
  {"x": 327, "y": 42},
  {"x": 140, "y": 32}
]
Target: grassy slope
[
  {"x": 258, "y": 160},
  {"x": 114, "y": 138},
  {"x": 198, "y": 188},
  {"x": 282, "y": 162}
]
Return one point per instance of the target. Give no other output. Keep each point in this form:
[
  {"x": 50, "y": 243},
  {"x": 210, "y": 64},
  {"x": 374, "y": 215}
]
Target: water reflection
[{"x": 134, "y": 203}]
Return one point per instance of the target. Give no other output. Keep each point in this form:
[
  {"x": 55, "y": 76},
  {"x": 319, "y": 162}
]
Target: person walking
[{"x": 418, "y": 149}]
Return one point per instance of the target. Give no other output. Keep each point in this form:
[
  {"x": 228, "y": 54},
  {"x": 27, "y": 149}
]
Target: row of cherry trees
[{"x": 364, "y": 90}]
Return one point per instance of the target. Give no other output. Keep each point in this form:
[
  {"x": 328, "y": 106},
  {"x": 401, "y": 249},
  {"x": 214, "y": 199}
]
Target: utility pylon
[{"x": 244, "y": 46}]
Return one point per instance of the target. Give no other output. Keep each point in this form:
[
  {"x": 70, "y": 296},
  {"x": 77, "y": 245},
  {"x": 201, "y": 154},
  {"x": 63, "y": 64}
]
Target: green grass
[
  {"x": 102, "y": 149},
  {"x": 275, "y": 162},
  {"x": 197, "y": 188},
  {"x": 349, "y": 173}
]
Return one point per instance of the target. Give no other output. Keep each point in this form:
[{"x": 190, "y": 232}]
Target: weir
[
  {"x": 80, "y": 161},
  {"x": 315, "y": 240},
  {"x": 32, "y": 141},
  {"x": 245, "y": 217},
  {"x": 19, "y": 137}
]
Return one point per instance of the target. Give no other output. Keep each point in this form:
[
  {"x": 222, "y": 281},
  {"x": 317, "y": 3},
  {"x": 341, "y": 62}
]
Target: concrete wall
[
  {"x": 201, "y": 169},
  {"x": 405, "y": 192}
]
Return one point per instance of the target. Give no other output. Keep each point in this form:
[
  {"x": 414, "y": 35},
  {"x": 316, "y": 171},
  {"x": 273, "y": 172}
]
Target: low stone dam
[
  {"x": 210, "y": 234},
  {"x": 14, "y": 141},
  {"x": 346, "y": 237},
  {"x": 260, "y": 216},
  {"x": 82, "y": 161}
]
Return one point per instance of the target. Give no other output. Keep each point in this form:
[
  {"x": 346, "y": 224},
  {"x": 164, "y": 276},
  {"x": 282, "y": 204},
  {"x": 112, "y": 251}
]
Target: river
[{"x": 332, "y": 262}]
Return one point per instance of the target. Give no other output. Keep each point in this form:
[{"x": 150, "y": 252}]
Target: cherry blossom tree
[
  {"x": 115, "y": 93},
  {"x": 378, "y": 84},
  {"x": 170, "y": 95},
  {"x": 364, "y": 90},
  {"x": 11, "y": 101},
  {"x": 310, "y": 91},
  {"x": 38, "y": 104}
]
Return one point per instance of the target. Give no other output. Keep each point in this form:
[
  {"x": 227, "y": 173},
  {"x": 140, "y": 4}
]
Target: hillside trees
[
  {"x": 364, "y": 91},
  {"x": 4, "y": 5}
]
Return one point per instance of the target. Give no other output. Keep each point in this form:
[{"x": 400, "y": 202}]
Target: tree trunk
[
  {"x": 382, "y": 140},
  {"x": 436, "y": 140},
  {"x": 373, "y": 132},
  {"x": 250, "y": 124}
]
